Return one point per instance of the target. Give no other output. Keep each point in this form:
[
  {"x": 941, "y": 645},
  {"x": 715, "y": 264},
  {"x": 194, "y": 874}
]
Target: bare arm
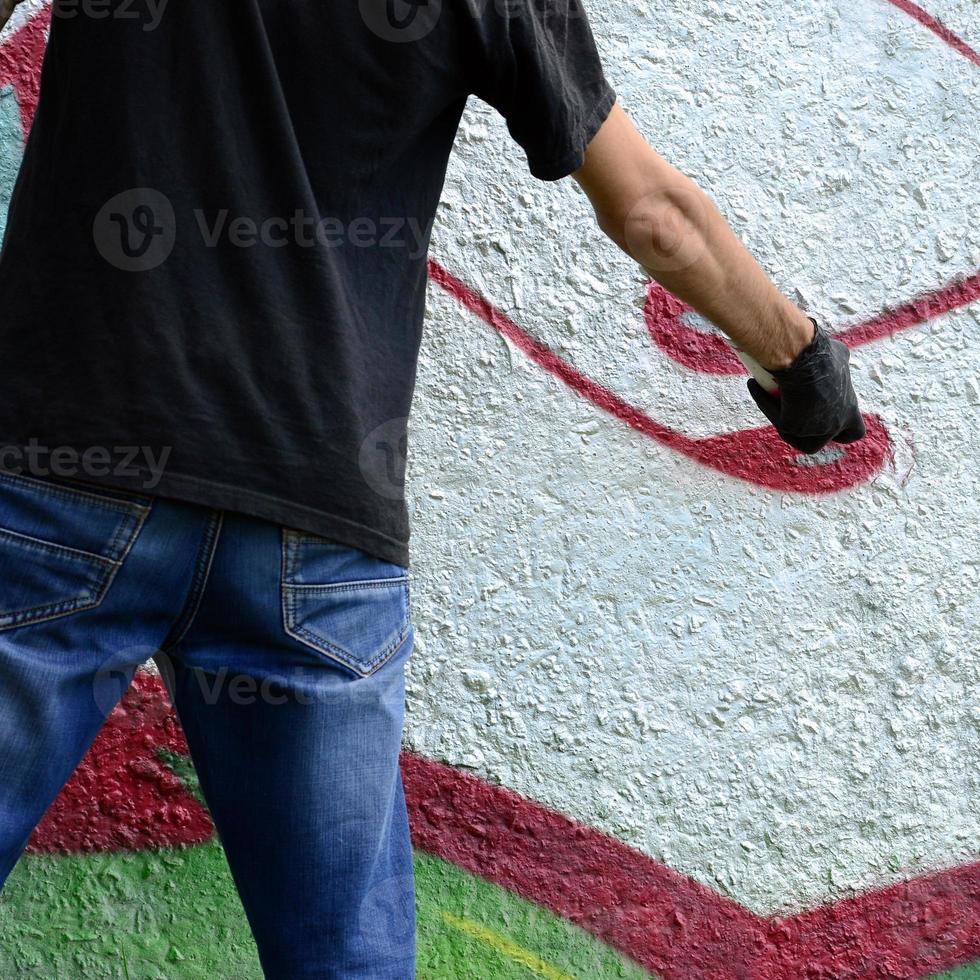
[{"x": 671, "y": 227}]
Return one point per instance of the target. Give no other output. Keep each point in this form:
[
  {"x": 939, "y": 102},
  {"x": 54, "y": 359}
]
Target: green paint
[
  {"x": 446, "y": 953},
  {"x": 182, "y": 767},
  {"x": 152, "y": 915},
  {"x": 161, "y": 915},
  {"x": 969, "y": 972},
  {"x": 174, "y": 915}
]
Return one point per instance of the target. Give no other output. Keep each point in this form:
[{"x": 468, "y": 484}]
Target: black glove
[{"x": 816, "y": 403}]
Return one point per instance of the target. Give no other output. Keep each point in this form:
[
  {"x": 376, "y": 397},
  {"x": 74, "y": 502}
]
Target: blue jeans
[{"x": 284, "y": 655}]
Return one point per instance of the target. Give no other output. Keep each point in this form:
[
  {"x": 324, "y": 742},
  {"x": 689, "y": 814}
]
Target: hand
[
  {"x": 816, "y": 403},
  {"x": 6, "y": 9}
]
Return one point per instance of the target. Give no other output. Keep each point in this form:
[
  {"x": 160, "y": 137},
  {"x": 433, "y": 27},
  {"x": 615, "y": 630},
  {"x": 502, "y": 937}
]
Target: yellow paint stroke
[{"x": 508, "y": 947}]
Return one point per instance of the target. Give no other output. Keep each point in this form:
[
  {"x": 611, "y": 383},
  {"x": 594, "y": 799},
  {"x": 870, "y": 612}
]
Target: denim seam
[
  {"x": 119, "y": 536},
  {"x": 43, "y": 614},
  {"x": 292, "y": 539},
  {"x": 333, "y": 651},
  {"x": 325, "y": 645},
  {"x": 319, "y": 643},
  {"x": 110, "y": 495},
  {"x": 52, "y": 490},
  {"x": 38, "y": 544},
  {"x": 202, "y": 575},
  {"x": 368, "y": 583}
]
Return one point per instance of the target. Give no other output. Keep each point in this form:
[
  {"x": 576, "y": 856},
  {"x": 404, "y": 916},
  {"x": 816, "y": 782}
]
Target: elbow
[
  {"x": 614, "y": 221},
  {"x": 662, "y": 229}
]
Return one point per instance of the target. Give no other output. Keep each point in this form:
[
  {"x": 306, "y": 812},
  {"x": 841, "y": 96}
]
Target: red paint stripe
[
  {"x": 666, "y": 319},
  {"x": 123, "y": 798},
  {"x": 709, "y": 353},
  {"x": 663, "y": 920},
  {"x": 911, "y": 929},
  {"x": 937, "y": 27},
  {"x": 20, "y": 63},
  {"x": 671, "y": 924},
  {"x": 919, "y": 310},
  {"x": 755, "y": 455}
]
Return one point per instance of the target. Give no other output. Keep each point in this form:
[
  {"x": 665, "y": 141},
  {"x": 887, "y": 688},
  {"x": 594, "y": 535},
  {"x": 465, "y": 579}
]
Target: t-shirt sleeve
[{"x": 539, "y": 67}]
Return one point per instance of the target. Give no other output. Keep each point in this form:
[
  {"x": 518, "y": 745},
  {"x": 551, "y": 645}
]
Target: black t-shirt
[{"x": 214, "y": 270}]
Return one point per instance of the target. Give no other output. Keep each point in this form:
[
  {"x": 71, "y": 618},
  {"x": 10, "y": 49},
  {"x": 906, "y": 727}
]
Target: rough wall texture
[{"x": 773, "y": 693}]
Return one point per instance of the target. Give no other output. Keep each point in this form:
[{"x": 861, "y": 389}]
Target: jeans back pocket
[
  {"x": 344, "y": 603},
  {"x": 60, "y": 547}
]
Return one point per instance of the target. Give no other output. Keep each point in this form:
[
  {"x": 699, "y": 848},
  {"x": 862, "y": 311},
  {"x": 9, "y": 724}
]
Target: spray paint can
[{"x": 765, "y": 379}]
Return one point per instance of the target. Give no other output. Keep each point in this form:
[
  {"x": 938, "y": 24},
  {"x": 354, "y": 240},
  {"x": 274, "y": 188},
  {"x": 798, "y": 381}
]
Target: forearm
[
  {"x": 672, "y": 228},
  {"x": 679, "y": 236}
]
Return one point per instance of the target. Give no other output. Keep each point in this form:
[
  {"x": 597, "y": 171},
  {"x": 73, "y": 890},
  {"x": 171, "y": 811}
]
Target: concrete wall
[
  {"x": 775, "y": 693},
  {"x": 622, "y": 611}
]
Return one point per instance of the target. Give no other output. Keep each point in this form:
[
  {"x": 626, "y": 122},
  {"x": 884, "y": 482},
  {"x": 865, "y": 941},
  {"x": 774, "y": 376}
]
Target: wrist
[
  {"x": 810, "y": 364},
  {"x": 801, "y": 335}
]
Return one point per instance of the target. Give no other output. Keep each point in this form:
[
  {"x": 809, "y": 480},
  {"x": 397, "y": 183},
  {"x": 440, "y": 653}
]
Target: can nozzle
[{"x": 758, "y": 372}]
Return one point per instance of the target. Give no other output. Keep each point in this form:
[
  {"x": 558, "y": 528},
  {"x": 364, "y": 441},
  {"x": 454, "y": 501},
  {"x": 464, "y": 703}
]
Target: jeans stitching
[
  {"x": 318, "y": 643},
  {"x": 49, "y": 611},
  {"x": 354, "y": 586},
  {"x": 65, "y": 493},
  {"x": 199, "y": 582},
  {"x": 29, "y": 543}
]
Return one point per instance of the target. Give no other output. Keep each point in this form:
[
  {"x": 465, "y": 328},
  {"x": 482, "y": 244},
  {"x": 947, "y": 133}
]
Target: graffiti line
[
  {"x": 507, "y": 947},
  {"x": 20, "y": 64},
  {"x": 708, "y": 353},
  {"x": 919, "y": 310},
  {"x": 915, "y": 928},
  {"x": 937, "y": 27},
  {"x": 757, "y": 456},
  {"x": 663, "y": 920},
  {"x": 669, "y": 923}
]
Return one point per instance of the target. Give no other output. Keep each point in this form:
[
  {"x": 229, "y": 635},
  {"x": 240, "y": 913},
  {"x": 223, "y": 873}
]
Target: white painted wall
[{"x": 775, "y": 694}]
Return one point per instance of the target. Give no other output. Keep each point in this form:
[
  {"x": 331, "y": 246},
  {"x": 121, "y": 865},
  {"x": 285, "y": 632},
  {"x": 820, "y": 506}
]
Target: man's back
[{"x": 237, "y": 197}]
